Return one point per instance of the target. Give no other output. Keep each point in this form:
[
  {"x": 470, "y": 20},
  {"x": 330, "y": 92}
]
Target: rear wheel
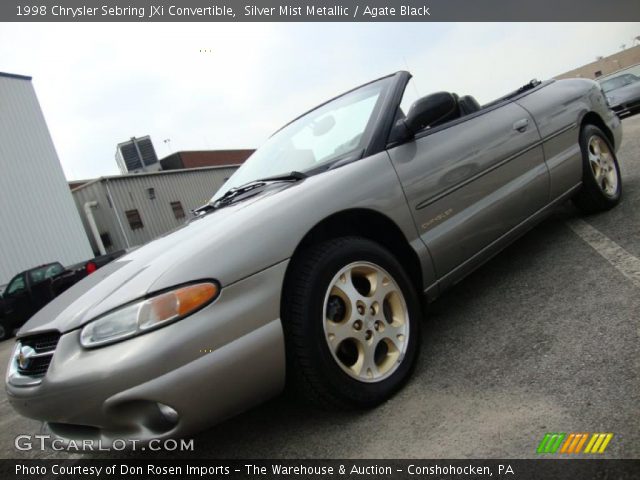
[
  {"x": 351, "y": 317},
  {"x": 601, "y": 182}
]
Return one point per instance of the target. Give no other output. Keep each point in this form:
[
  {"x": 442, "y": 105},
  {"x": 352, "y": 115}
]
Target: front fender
[{"x": 240, "y": 240}]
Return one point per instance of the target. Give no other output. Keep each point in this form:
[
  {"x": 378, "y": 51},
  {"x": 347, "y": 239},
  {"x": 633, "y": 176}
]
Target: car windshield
[
  {"x": 618, "y": 82},
  {"x": 330, "y": 132}
]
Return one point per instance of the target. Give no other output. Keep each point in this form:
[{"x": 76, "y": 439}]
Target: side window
[
  {"x": 39, "y": 274},
  {"x": 36, "y": 276},
  {"x": 53, "y": 270},
  {"x": 16, "y": 285}
]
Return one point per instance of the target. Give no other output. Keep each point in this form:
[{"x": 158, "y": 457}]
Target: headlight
[{"x": 148, "y": 314}]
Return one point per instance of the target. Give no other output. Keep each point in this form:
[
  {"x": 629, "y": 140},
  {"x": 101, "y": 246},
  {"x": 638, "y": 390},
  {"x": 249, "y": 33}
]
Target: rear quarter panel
[{"x": 558, "y": 110}]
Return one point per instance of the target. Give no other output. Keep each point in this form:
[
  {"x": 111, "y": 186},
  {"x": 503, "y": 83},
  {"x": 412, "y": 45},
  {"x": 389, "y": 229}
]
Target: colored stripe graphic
[
  {"x": 573, "y": 443},
  {"x": 569, "y": 443},
  {"x": 551, "y": 442},
  {"x": 543, "y": 443},
  {"x": 581, "y": 443},
  {"x": 598, "y": 442}
]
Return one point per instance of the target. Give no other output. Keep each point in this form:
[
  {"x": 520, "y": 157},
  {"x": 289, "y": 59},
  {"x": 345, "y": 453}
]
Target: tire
[
  {"x": 333, "y": 373},
  {"x": 601, "y": 181}
]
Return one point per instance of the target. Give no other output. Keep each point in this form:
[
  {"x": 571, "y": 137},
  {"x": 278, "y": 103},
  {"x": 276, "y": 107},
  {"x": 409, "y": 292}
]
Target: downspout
[
  {"x": 115, "y": 209},
  {"x": 92, "y": 224}
]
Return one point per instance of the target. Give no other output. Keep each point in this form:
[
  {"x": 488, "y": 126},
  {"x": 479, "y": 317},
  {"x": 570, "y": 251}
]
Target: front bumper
[
  {"x": 626, "y": 109},
  {"x": 207, "y": 367}
]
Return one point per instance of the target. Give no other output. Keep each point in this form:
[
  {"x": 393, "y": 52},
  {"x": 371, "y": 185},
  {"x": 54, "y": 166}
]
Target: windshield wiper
[
  {"x": 284, "y": 177},
  {"x": 235, "y": 192}
]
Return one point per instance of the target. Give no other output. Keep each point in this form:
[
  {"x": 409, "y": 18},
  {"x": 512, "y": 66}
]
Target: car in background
[
  {"x": 75, "y": 273},
  {"x": 623, "y": 93},
  {"x": 32, "y": 289},
  {"x": 25, "y": 294}
]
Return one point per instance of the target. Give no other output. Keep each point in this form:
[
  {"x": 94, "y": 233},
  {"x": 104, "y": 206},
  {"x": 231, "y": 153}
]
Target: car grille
[{"x": 44, "y": 346}]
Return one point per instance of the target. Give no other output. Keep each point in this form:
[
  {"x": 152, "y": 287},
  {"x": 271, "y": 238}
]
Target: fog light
[{"x": 155, "y": 416}]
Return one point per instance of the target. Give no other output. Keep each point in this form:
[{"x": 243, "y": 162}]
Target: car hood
[
  {"x": 624, "y": 94},
  {"x": 232, "y": 243},
  {"x": 143, "y": 271}
]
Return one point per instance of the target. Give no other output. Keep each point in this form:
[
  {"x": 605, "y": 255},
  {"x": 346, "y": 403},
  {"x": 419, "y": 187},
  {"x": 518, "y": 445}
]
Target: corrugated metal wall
[
  {"x": 192, "y": 188},
  {"x": 38, "y": 219}
]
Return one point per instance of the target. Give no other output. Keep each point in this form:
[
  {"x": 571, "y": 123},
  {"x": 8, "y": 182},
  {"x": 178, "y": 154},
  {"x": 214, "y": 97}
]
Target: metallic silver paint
[
  {"x": 458, "y": 195},
  {"x": 88, "y": 387},
  {"x": 491, "y": 175}
]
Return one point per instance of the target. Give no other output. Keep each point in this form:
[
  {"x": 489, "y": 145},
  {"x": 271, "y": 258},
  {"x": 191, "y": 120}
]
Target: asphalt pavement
[{"x": 543, "y": 338}]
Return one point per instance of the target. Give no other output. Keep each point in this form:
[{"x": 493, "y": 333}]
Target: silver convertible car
[{"x": 310, "y": 265}]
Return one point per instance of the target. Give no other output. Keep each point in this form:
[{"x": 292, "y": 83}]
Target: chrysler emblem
[{"x": 25, "y": 354}]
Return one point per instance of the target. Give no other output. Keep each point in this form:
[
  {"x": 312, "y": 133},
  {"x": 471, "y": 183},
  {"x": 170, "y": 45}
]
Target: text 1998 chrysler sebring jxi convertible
[{"x": 309, "y": 263}]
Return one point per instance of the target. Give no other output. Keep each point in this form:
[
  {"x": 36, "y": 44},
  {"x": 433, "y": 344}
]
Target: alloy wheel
[
  {"x": 366, "y": 322},
  {"x": 603, "y": 166}
]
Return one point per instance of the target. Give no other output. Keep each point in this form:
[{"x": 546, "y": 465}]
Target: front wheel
[
  {"x": 351, "y": 319},
  {"x": 601, "y": 182}
]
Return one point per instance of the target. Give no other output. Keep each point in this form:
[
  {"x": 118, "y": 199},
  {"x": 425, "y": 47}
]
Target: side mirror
[{"x": 430, "y": 110}]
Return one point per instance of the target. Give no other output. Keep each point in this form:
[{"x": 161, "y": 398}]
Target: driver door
[{"x": 471, "y": 181}]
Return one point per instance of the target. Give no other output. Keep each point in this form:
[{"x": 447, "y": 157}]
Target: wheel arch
[
  {"x": 592, "y": 118},
  {"x": 369, "y": 224}
]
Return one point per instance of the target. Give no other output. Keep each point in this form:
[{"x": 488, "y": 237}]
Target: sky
[{"x": 230, "y": 85}]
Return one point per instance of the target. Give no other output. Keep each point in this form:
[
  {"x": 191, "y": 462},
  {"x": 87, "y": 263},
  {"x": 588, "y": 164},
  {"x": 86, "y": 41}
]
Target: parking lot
[{"x": 543, "y": 338}]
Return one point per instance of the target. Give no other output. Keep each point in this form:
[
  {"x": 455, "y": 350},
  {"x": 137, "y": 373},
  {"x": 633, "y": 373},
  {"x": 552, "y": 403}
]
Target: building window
[
  {"x": 598, "y": 73},
  {"x": 178, "y": 211},
  {"x": 106, "y": 239},
  {"x": 133, "y": 216},
  {"x": 152, "y": 193}
]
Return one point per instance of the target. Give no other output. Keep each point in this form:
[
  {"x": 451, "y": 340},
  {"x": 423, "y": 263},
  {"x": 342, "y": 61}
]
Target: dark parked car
[
  {"x": 623, "y": 93},
  {"x": 25, "y": 294},
  {"x": 75, "y": 273},
  {"x": 32, "y": 289}
]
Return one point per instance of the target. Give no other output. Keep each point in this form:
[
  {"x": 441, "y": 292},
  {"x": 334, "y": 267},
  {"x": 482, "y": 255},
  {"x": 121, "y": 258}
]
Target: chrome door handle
[{"x": 521, "y": 125}]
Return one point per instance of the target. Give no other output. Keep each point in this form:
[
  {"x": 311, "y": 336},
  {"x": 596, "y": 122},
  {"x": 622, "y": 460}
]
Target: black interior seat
[
  {"x": 468, "y": 105},
  {"x": 455, "y": 113}
]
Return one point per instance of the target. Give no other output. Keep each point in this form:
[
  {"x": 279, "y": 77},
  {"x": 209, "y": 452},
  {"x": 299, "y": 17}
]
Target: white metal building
[
  {"x": 130, "y": 210},
  {"x": 39, "y": 222}
]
